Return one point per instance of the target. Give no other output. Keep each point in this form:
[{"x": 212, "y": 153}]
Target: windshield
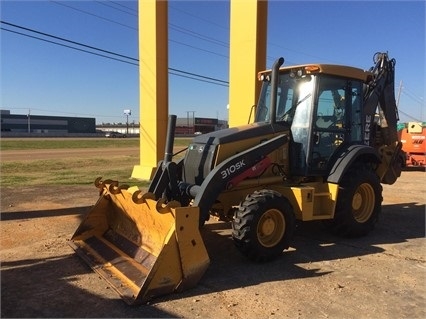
[{"x": 291, "y": 92}]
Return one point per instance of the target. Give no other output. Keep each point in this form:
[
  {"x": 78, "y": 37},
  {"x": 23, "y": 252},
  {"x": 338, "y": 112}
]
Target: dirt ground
[{"x": 382, "y": 275}]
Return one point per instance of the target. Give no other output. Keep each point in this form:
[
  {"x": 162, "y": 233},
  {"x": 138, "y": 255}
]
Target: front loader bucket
[{"x": 144, "y": 248}]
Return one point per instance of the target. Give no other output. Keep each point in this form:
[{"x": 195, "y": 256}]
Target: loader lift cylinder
[{"x": 164, "y": 182}]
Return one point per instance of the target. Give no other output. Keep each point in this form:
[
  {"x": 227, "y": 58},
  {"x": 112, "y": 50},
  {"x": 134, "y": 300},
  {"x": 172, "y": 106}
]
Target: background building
[
  {"x": 18, "y": 124},
  {"x": 43, "y": 125}
]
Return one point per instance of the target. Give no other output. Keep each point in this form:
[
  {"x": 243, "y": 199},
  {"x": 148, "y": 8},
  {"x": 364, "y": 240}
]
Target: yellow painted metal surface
[
  {"x": 142, "y": 247},
  {"x": 247, "y": 57},
  {"x": 311, "y": 201},
  {"x": 153, "y": 85}
]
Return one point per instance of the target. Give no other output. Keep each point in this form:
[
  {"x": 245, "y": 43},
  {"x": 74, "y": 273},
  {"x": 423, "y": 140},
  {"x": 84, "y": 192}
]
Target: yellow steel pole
[
  {"x": 247, "y": 56},
  {"x": 153, "y": 85}
]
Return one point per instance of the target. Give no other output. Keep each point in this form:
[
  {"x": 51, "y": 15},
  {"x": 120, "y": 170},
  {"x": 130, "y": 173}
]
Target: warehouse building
[
  {"x": 43, "y": 125},
  {"x": 48, "y": 125},
  {"x": 184, "y": 126}
]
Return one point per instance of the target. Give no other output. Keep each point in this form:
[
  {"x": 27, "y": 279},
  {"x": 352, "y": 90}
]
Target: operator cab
[{"x": 321, "y": 106}]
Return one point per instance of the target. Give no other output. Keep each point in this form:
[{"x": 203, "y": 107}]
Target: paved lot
[{"x": 382, "y": 275}]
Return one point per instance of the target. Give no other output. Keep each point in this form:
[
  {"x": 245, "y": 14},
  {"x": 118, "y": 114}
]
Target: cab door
[{"x": 335, "y": 113}]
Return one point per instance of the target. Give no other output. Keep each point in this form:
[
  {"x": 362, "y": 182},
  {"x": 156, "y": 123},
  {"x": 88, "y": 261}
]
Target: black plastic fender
[{"x": 348, "y": 156}]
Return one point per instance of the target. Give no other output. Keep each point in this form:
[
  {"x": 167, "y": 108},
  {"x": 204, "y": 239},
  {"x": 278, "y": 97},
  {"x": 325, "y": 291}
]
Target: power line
[
  {"x": 409, "y": 116},
  {"x": 200, "y": 76},
  {"x": 92, "y": 14},
  {"x": 177, "y": 28},
  {"x": 134, "y": 61},
  {"x": 115, "y": 8},
  {"x": 66, "y": 40},
  {"x": 67, "y": 46},
  {"x": 183, "y": 30},
  {"x": 197, "y": 17},
  {"x": 173, "y": 71},
  {"x": 122, "y": 5},
  {"x": 198, "y": 35},
  {"x": 411, "y": 95},
  {"x": 199, "y": 49},
  {"x": 171, "y": 26}
]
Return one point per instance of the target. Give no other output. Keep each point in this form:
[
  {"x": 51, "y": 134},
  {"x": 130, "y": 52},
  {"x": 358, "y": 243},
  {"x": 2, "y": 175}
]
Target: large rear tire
[
  {"x": 358, "y": 204},
  {"x": 263, "y": 225}
]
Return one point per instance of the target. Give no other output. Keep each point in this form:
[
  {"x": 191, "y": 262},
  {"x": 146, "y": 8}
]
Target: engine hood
[{"x": 239, "y": 133}]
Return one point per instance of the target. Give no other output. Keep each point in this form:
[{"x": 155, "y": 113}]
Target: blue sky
[{"x": 48, "y": 79}]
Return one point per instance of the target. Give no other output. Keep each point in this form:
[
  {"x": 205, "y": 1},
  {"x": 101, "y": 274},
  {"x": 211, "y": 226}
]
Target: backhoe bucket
[{"x": 144, "y": 248}]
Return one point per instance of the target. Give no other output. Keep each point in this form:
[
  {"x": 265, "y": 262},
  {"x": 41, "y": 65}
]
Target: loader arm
[
  {"x": 166, "y": 184},
  {"x": 217, "y": 180}
]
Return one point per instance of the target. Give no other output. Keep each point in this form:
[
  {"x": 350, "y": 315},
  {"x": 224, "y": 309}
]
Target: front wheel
[
  {"x": 358, "y": 204},
  {"x": 263, "y": 225}
]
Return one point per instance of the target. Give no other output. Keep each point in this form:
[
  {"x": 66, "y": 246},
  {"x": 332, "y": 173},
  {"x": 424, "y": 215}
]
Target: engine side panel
[{"x": 209, "y": 150}]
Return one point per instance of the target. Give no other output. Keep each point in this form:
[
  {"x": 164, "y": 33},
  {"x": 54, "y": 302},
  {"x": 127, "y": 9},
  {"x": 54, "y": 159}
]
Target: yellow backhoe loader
[{"x": 323, "y": 139}]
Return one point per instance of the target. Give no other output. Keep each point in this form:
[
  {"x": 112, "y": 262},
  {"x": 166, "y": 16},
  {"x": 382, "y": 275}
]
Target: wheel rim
[
  {"x": 363, "y": 203},
  {"x": 271, "y": 228}
]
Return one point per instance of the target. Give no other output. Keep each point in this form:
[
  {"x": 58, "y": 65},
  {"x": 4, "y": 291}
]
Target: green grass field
[
  {"x": 55, "y": 143},
  {"x": 71, "y": 171}
]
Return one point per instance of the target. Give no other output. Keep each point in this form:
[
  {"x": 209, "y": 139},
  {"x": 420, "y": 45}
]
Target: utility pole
[
  {"x": 127, "y": 113},
  {"x": 193, "y": 122},
  {"x": 227, "y": 119},
  {"x": 29, "y": 124},
  {"x": 188, "y": 122},
  {"x": 399, "y": 94}
]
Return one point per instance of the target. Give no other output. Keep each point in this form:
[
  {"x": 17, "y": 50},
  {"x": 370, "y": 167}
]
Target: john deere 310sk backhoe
[{"x": 323, "y": 140}]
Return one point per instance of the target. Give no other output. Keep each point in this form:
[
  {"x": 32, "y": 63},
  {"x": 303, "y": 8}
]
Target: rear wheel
[
  {"x": 358, "y": 204},
  {"x": 263, "y": 225}
]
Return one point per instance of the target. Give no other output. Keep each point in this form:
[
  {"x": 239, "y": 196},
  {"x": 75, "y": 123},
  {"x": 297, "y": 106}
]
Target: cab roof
[{"x": 332, "y": 69}]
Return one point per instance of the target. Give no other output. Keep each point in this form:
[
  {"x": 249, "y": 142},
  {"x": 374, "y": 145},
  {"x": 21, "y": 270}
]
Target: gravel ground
[{"x": 382, "y": 275}]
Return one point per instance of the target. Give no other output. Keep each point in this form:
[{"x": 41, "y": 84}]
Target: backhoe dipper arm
[
  {"x": 379, "y": 95},
  {"x": 380, "y": 92}
]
